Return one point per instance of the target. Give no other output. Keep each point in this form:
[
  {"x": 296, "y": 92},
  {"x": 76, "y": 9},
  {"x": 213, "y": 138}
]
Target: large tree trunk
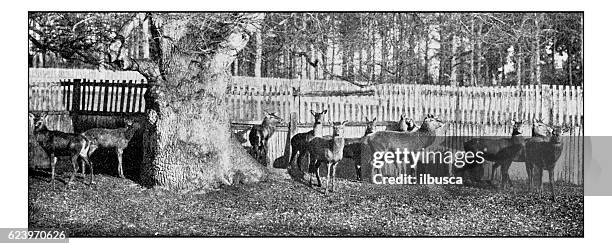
[{"x": 186, "y": 141}]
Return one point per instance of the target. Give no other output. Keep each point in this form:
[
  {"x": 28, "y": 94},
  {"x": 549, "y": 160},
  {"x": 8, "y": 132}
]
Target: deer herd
[
  {"x": 80, "y": 146},
  {"x": 539, "y": 152}
]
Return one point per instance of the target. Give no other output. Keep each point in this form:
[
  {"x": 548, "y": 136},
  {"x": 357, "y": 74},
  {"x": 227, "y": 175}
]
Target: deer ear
[
  {"x": 367, "y": 120},
  {"x": 324, "y": 111},
  {"x": 31, "y": 116},
  {"x": 374, "y": 119},
  {"x": 344, "y": 122},
  {"x": 312, "y": 112}
]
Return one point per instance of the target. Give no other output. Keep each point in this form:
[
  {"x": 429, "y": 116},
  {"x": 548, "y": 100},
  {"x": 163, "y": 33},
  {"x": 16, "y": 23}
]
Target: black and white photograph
[{"x": 306, "y": 123}]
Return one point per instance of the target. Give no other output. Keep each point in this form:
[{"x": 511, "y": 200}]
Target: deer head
[
  {"x": 540, "y": 129},
  {"x": 431, "y": 122},
  {"x": 370, "y": 125},
  {"x": 338, "y": 128},
  {"x": 318, "y": 116},
  {"x": 271, "y": 117},
  {"x": 517, "y": 127},
  {"x": 39, "y": 121}
]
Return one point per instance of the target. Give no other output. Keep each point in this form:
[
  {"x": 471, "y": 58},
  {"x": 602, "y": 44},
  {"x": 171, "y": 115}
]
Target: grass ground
[{"x": 284, "y": 207}]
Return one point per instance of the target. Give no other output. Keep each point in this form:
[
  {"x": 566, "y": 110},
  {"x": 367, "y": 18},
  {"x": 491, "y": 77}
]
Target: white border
[{"x": 14, "y": 108}]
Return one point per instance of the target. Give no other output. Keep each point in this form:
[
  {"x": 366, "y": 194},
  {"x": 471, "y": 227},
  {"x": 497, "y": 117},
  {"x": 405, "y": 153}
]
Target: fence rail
[
  {"x": 88, "y": 97},
  {"x": 248, "y": 98}
]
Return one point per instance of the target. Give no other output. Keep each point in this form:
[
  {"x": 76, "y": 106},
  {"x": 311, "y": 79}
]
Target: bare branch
[{"x": 315, "y": 64}]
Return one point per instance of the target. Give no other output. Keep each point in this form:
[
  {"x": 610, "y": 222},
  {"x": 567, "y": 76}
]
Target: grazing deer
[
  {"x": 500, "y": 151},
  {"x": 390, "y": 141},
  {"x": 542, "y": 154},
  {"x": 299, "y": 142},
  {"x": 57, "y": 143},
  {"x": 328, "y": 151},
  {"x": 352, "y": 146},
  {"x": 111, "y": 138},
  {"x": 260, "y": 134}
]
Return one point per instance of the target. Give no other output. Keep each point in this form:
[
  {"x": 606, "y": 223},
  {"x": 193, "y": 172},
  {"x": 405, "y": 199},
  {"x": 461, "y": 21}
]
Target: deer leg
[
  {"x": 529, "y": 168},
  {"x": 551, "y": 180},
  {"x": 329, "y": 168},
  {"x": 75, "y": 169},
  {"x": 358, "y": 171},
  {"x": 299, "y": 161},
  {"x": 307, "y": 156},
  {"x": 83, "y": 168},
  {"x": 311, "y": 172},
  {"x": 291, "y": 162},
  {"x": 120, "y": 162},
  {"x": 318, "y": 169},
  {"x": 540, "y": 181},
  {"x": 493, "y": 169},
  {"x": 334, "y": 176},
  {"x": 90, "y": 170},
  {"x": 504, "y": 174},
  {"x": 52, "y": 161}
]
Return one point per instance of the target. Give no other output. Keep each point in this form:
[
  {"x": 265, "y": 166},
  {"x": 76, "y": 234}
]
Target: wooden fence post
[
  {"x": 76, "y": 96},
  {"x": 293, "y": 122}
]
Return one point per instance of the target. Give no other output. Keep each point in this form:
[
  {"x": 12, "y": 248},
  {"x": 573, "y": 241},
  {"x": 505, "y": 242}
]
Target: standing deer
[
  {"x": 539, "y": 132},
  {"x": 542, "y": 154},
  {"x": 299, "y": 142},
  {"x": 401, "y": 124},
  {"x": 500, "y": 151},
  {"x": 57, "y": 143},
  {"x": 111, "y": 138},
  {"x": 390, "y": 141},
  {"x": 260, "y": 134},
  {"x": 328, "y": 151},
  {"x": 352, "y": 146}
]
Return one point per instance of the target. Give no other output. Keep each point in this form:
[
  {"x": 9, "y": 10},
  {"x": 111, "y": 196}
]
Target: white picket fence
[{"x": 249, "y": 97}]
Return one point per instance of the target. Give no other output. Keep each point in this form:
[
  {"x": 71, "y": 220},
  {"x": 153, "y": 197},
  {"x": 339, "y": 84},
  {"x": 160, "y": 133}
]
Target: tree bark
[{"x": 186, "y": 140}]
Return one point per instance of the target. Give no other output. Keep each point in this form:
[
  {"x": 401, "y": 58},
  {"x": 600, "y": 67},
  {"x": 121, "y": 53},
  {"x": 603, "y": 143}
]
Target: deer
[
  {"x": 260, "y": 134},
  {"x": 352, "y": 146},
  {"x": 299, "y": 142},
  {"x": 328, "y": 151},
  {"x": 401, "y": 124},
  {"x": 111, "y": 138},
  {"x": 539, "y": 132},
  {"x": 542, "y": 154},
  {"x": 502, "y": 152},
  {"x": 411, "y": 125},
  {"x": 404, "y": 125},
  {"x": 390, "y": 141},
  {"x": 57, "y": 143}
]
